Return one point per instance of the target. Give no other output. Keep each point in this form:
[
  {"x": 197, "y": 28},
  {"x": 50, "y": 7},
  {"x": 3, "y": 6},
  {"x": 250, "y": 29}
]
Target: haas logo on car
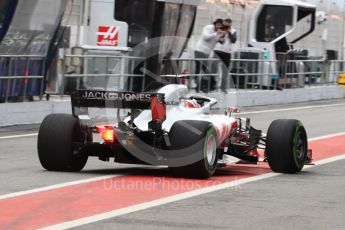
[{"x": 108, "y": 36}]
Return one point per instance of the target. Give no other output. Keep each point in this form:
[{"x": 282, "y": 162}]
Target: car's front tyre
[{"x": 287, "y": 146}]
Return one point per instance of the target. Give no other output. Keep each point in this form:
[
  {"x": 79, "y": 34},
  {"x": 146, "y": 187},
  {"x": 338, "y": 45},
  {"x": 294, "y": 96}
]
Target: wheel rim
[
  {"x": 300, "y": 147},
  {"x": 211, "y": 150}
]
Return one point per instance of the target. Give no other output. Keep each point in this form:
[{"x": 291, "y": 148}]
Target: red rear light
[
  {"x": 107, "y": 133},
  {"x": 158, "y": 109}
]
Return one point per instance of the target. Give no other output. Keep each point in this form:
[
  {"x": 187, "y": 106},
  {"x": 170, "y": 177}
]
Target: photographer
[
  {"x": 211, "y": 35},
  {"x": 223, "y": 50}
]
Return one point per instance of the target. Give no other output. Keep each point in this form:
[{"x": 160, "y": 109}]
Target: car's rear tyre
[
  {"x": 56, "y": 143},
  {"x": 287, "y": 146},
  {"x": 198, "y": 138}
]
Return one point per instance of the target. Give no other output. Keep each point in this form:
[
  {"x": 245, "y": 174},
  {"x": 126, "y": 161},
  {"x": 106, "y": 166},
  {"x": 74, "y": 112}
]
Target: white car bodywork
[{"x": 176, "y": 111}]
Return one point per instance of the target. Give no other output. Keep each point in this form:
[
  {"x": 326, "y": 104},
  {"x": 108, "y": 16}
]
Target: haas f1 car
[{"x": 165, "y": 127}]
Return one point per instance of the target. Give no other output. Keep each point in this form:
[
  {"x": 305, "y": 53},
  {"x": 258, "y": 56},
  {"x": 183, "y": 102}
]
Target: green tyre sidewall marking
[
  {"x": 294, "y": 147},
  {"x": 208, "y": 134}
]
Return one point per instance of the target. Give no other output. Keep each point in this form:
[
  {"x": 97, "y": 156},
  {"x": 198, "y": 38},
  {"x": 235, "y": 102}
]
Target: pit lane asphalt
[{"x": 311, "y": 200}]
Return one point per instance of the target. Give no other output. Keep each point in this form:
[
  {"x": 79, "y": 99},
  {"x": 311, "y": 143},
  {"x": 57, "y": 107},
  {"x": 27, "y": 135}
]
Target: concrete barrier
[
  {"x": 30, "y": 112},
  {"x": 274, "y": 97},
  {"x": 34, "y": 112}
]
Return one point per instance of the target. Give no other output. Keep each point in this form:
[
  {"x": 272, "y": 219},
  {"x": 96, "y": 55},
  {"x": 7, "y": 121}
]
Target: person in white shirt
[
  {"x": 223, "y": 50},
  {"x": 211, "y": 35}
]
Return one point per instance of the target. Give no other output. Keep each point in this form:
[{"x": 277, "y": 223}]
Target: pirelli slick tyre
[
  {"x": 198, "y": 138},
  {"x": 287, "y": 146},
  {"x": 56, "y": 143}
]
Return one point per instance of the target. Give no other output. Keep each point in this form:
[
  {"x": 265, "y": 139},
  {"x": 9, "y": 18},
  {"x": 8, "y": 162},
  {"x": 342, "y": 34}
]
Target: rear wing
[{"x": 83, "y": 99}]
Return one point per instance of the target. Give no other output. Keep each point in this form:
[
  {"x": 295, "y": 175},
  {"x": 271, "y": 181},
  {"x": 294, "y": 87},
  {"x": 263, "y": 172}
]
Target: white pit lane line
[
  {"x": 19, "y": 136},
  {"x": 178, "y": 197},
  {"x": 292, "y": 109}
]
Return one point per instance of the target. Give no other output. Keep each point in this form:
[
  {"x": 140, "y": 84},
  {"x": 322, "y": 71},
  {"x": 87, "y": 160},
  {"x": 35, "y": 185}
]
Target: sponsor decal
[
  {"x": 108, "y": 36},
  {"x": 116, "y": 96}
]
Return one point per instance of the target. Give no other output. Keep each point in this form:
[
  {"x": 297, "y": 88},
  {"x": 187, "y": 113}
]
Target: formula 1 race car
[{"x": 165, "y": 127}]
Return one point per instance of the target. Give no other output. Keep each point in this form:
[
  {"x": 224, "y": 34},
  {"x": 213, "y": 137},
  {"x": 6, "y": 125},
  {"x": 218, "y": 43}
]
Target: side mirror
[{"x": 232, "y": 110}]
